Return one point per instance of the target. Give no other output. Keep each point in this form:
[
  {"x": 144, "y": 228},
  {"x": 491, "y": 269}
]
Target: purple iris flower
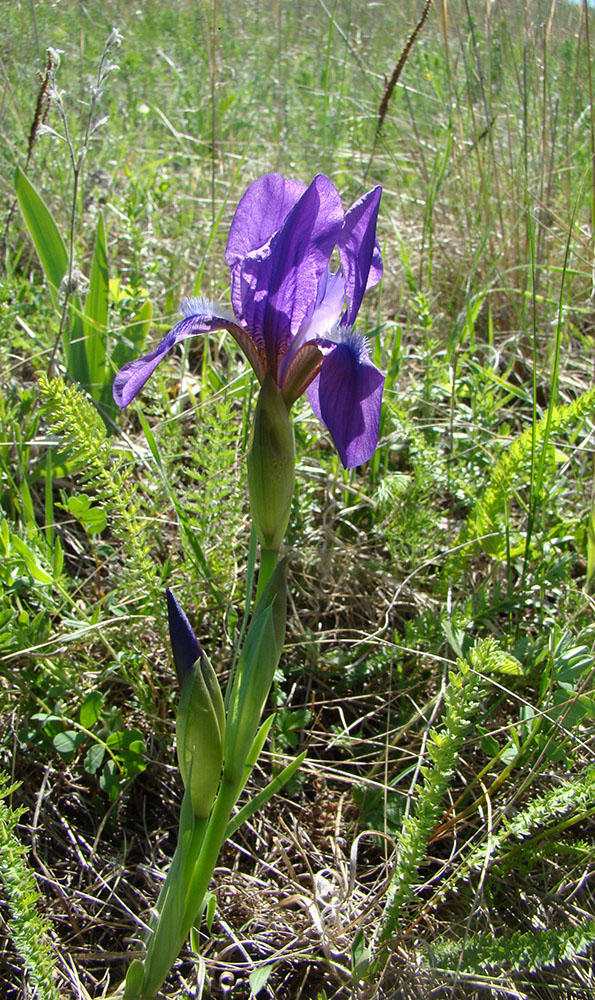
[{"x": 292, "y": 315}]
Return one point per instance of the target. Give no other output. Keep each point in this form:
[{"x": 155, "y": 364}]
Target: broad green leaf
[
  {"x": 259, "y": 978},
  {"x": 360, "y": 957},
  {"x": 53, "y": 256},
  {"x": 109, "y": 782},
  {"x": 94, "y": 758},
  {"x": 126, "y": 740},
  {"x": 90, "y": 710},
  {"x": 30, "y": 559},
  {"x": 93, "y": 518},
  {"x": 47, "y": 240},
  {"x": 67, "y": 742},
  {"x": 75, "y": 344},
  {"x": 134, "y": 980}
]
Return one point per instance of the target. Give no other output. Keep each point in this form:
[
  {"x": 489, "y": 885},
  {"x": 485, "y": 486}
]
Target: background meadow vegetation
[{"x": 469, "y": 539}]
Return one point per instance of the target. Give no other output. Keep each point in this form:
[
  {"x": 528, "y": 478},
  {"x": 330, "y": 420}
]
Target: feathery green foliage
[
  {"x": 546, "y": 815},
  {"x": 462, "y": 697},
  {"x": 28, "y": 930},
  {"x": 488, "y": 522},
  {"x": 483, "y": 322},
  {"x": 94, "y": 463},
  {"x": 525, "y": 951}
]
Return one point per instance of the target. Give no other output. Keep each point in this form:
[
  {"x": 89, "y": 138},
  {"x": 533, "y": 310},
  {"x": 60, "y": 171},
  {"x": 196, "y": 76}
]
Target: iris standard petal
[
  {"x": 261, "y": 211},
  {"x": 359, "y": 253},
  {"x": 279, "y": 282},
  {"x": 328, "y": 308},
  {"x": 185, "y": 646},
  {"x": 326, "y": 315},
  {"x": 132, "y": 376},
  {"x": 347, "y": 397}
]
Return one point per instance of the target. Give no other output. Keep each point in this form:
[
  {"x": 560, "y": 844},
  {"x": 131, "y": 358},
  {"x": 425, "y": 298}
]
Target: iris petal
[
  {"x": 261, "y": 212},
  {"x": 347, "y": 396},
  {"x": 287, "y": 303},
  {"x": 359, "y": 253},
  {"x": 278, "y": 282},
  {"x": 132, "y": 376}
]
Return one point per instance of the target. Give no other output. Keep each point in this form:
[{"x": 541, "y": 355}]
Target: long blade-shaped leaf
[{"x": 47, "y": 240}]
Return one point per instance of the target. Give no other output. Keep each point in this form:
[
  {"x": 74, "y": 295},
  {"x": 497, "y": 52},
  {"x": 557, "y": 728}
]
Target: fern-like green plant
[
  {"x": 75, "y": 420},
  {"x": 28, "y": 930},
  {"x": 513, "y": 472},
  {"x": 526, "y": 951},
  {"x": 545, "y": 816},
  {"x": 461, "y": 701}
]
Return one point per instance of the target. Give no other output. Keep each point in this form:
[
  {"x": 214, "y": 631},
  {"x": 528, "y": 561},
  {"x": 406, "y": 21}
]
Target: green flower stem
[
  {"x": 268, "y": 561},
  {"x": 164, "y": 944},
  {"x": 214, "y": 839}
]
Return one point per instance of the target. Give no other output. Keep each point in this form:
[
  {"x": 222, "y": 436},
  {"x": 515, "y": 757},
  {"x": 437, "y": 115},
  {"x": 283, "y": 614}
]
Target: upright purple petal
[
  {"x": 184, "y": 644},
  {"x": 132, "y": 376},
  {"x": 359, "y": 252},
  {"x": 328, "y": 308},
  {"x": 278, "y": 282},
  {"x": 261, "y": 211},
  {"x": 347, "y": 396}
]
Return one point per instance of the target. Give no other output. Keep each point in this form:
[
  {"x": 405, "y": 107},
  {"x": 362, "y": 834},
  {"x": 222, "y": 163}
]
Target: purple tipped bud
[
  {"x": 184, "y": 644},
  {"x": 200, "y": 722}
]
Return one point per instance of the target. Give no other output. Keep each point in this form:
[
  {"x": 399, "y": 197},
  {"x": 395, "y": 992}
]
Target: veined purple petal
[
  {"x": 359, "y": 252},
  {"x": 347, "y": 397},
  {"x": 326, "y": 314},
  {"x": 328, "y": 308},
  {"x": 185, "y": 646},
  {"x": 132, "y": 376},
  {"x": 273, "y": 287},
  {"x": 261, "y": 211}
]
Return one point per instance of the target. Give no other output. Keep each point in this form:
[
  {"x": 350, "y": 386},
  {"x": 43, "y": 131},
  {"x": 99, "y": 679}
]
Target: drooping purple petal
[
  {"x": 132, "y": 376},
  {"x": 347, "y": 397},
  {"x": 274, "y": 286},
  {"x": 185, "y": 646},
  {"x": 359, "y": 252}
]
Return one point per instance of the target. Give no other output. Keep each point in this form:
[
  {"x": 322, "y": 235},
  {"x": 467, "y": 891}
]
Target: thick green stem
[
  {"x": 214, "y": 838},
  {"x": 268, "y": 561},
  {"x": 164, "y": 945}
]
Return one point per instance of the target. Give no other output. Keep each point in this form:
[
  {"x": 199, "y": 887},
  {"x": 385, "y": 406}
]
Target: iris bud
[
  {"x": 200, "y": 722},
  {"x": 200, "y": 725},
  {"x": 271, "y": 466}
]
